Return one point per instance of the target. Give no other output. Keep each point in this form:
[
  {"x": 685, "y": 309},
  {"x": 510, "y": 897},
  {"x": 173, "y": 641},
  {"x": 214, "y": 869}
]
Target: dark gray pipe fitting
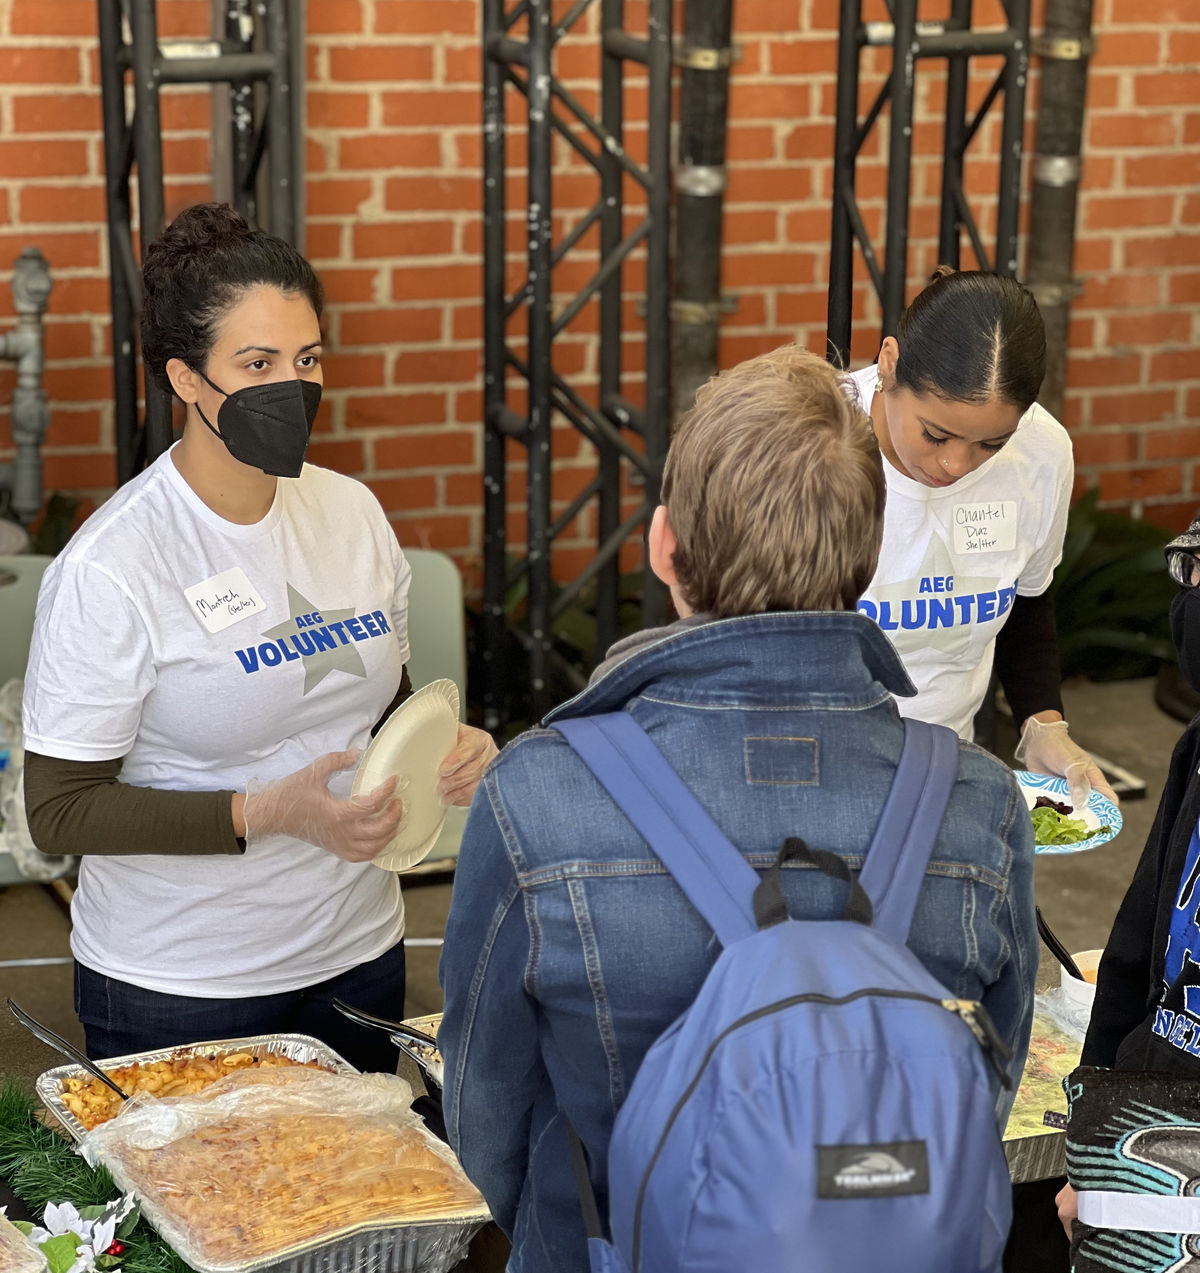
[{"x": 25, "y": 345}]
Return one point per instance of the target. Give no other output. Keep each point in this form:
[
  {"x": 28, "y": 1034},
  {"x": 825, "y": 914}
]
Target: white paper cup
[{"x": 1078, "y": 993}]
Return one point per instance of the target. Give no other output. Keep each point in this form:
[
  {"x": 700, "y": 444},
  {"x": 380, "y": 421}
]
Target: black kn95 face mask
[{"x": 267, "y": 426}]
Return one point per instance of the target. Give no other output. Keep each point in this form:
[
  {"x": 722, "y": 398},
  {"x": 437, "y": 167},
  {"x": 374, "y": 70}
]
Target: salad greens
[{"x": 1051, "y": 827}]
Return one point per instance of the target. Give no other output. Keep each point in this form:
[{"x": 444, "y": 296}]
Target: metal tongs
[
  {"x": 1056, "y": 948},
  {"x": 420, "y": 1046},
  {"x": 59, "y": 1044}
]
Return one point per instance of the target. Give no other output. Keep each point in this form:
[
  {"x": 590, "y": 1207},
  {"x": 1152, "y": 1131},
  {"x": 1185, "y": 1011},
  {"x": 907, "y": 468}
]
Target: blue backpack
[{"x": 824, "y": 1105}]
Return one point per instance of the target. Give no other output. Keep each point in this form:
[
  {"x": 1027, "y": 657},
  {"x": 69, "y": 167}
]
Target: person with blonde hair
[{"x": 569, "y": 948}]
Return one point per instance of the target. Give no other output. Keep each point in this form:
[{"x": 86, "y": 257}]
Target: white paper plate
[
  {"x": 412, "y": 745},
  {"x": 1100, "y": 810}
]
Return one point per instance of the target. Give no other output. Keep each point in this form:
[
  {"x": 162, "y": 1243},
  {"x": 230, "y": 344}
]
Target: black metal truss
[
  {"x": 629, "y": 440},
  {"x": 912, "y": 41},
  {"x": 254, "y": 49}
]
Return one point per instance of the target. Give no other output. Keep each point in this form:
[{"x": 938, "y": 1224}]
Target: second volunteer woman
[{"x": 978, "y": 483}]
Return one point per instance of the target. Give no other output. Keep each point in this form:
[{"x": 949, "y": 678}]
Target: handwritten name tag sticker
[
  {"x": 224, "y": 600},
  {"x": 985, "y": 528}
]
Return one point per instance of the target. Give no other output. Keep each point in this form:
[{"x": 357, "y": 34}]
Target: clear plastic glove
[
  {"x": 356, "y": 828},
  {"x": 462, "y": 769},
  {"x": 1047, "y": 748},
  {"x": 1067, "y": 1201}
]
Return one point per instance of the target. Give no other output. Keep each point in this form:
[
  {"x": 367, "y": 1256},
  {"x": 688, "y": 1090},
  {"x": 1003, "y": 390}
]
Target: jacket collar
[{"x": 813, "y": 659}]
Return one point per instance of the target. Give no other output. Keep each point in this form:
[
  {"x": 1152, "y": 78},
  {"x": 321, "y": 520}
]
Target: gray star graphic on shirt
[{"x": 344, "y": 658}]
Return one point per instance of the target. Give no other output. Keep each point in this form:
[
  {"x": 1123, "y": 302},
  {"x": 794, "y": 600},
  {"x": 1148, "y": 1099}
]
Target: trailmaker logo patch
[
  {"x": 324, "y": 640},
  {"x": 872, "y": 1171}
]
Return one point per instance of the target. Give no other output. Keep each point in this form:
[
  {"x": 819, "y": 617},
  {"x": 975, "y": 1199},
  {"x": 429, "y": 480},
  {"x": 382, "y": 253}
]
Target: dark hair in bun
[
  {"x": 203, "y": 264},
  {"x": 972, "y": 337}
]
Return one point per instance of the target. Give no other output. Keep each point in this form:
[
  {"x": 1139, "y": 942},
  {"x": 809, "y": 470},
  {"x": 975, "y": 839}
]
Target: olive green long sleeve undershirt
[{"x": 80, "y": 807}]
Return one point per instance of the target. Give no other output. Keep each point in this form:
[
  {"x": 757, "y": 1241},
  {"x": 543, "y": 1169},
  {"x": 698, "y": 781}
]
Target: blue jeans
[{"x": 119, "y": 1018}]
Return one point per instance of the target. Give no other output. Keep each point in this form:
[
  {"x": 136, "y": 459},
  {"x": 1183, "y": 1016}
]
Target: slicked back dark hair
[
  {"x": 972, "y": 337},
  {"x": 201, "y": 267}
]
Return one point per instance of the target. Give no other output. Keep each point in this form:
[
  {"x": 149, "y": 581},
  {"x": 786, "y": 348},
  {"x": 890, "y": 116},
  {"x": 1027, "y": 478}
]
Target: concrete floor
[{"x": 1079, "y": 894}]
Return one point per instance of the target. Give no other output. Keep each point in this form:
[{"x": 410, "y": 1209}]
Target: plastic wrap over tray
[
  {"x": 293, "y": 1169},
  {"x": 17, "y": 1253},
  {"x": 302, "y": 1048}
]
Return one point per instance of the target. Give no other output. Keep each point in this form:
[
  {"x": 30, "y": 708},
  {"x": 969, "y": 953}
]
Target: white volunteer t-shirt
[
  {"x": 207, "y": 653},
  {"x": 955, "y": 557}
]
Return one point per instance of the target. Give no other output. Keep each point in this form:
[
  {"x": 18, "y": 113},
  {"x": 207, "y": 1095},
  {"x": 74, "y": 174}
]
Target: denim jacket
[{"x": 569, "y": 949}]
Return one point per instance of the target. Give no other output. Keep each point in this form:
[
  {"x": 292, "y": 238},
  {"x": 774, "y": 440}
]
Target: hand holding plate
[
  {"x": 301, "y": 805},
  {"x": 1047, "y": 748},
  {"x": 460, "y": 772}
]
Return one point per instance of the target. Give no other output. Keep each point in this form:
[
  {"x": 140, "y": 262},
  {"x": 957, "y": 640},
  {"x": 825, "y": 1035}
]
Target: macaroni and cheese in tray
[
  {"x": 81, "y": 1102},
  {"x": 297, "y": 1169}
]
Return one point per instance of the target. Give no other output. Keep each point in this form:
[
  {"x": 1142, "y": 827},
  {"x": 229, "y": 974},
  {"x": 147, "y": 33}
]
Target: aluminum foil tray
[
  {"x": 299, "y": 1047},
  {"x": 430, "y": 1246}
]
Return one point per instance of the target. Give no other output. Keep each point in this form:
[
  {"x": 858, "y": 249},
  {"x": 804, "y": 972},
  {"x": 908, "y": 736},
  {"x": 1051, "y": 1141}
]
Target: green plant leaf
[{"x": 60, "y": 1251}]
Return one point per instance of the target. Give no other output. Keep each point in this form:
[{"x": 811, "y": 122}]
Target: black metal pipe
[
  {"x": 845, "y": 156},
  {"x": 608, "y": 503},
  {"x": 1064, "y": 48},
  {"x": 1016, "y": 74},
  {"x": 246, "y": 139},
  {"x": 607, "y": 552},
  {"x": 494, "y": 375},
  {"x": 656, "y": 603},
  {"x": 228, "y": 68},
  {"x": 965, "y": 44},
  {"x": 147, "y": 142},
  {"x": 631, "y": 48},
  {"x": 279, "y": 123},
  {"x": 903, "y": 90},
  {"x": 119, "y": 214},
  {"x": 955, "y": 144},
  {"x": 700, "y": 196},
  {"x": 502, "y": 48},
  {"x": 540, "y": 331},
  {"x": 607, "y": 268}
]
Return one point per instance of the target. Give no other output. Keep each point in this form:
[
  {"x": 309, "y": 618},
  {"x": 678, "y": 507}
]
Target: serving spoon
[
  {"x": 420, "y": 1046},
  {"x": 59, "y": 1044}
]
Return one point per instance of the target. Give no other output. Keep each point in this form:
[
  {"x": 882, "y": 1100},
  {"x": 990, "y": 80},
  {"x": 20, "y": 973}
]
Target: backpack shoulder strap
[
  {"x": 713, "y": 875},
  {"x": 908, "y": 826}
]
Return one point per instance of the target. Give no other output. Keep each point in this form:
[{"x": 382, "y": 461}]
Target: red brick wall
[{"x": 394, "y": 225}]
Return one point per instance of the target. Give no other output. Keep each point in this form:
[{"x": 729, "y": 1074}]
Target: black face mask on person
[
  {"x": 1185, "y": 631},
  {"x": 267, "y": 426}
]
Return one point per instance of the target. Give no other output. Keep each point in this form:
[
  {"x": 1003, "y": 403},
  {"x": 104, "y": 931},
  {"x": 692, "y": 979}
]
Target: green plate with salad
[{"x": 1060, "y": 828}]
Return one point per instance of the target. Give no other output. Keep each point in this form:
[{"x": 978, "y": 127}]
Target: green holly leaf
[
  {"x": 127, "y": 1226},
  {"x": 60, "y": 1251},
  {"x": 26, "y": 1226}
]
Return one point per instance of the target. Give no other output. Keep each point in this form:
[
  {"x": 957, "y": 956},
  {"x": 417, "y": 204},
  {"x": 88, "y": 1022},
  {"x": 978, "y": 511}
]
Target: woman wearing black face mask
[
  {"x": 1146, "y": 1015},
  {"x": 211, "y": 649}
]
